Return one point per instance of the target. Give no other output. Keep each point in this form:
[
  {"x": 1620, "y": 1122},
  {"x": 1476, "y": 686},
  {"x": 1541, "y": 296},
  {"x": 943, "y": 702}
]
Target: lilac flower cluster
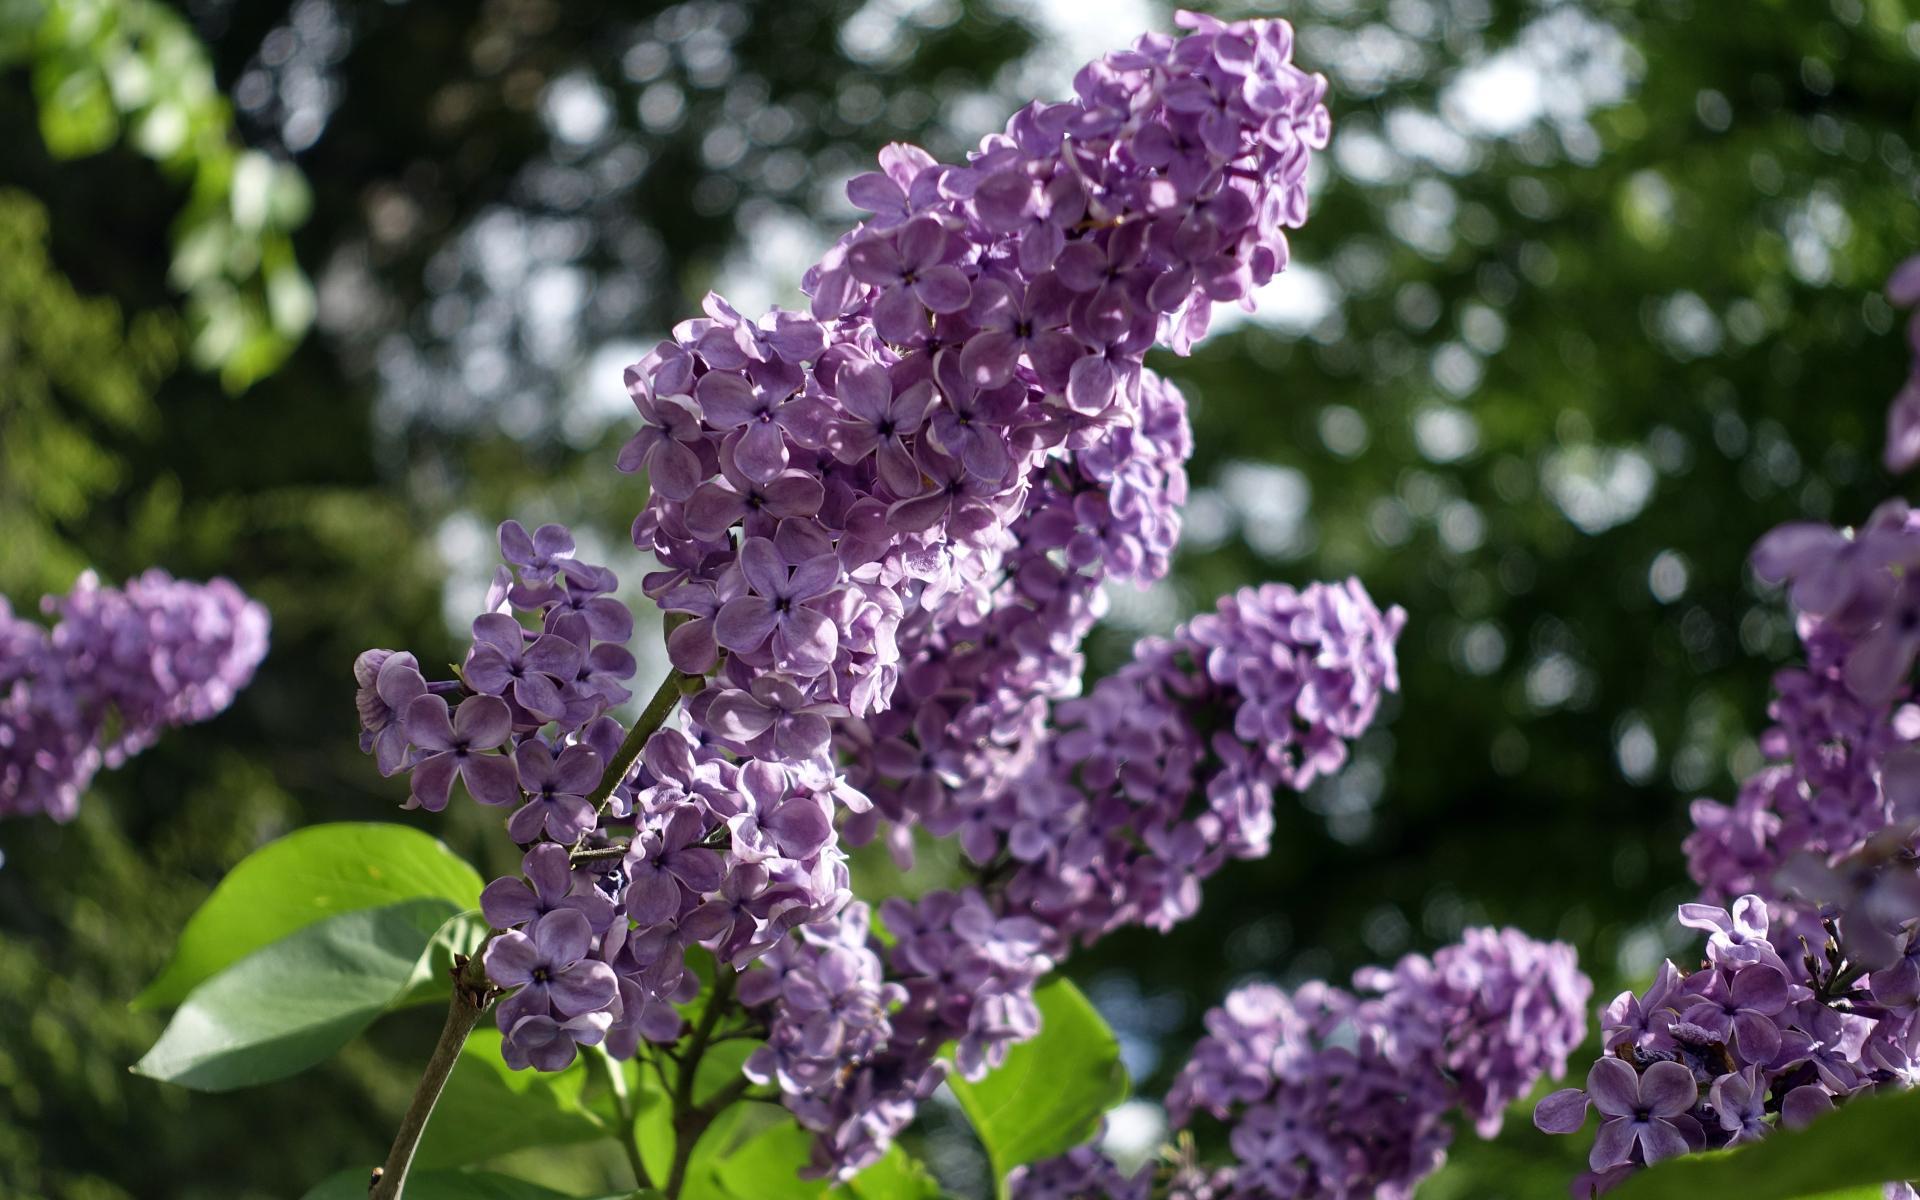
[
  {"x": 1903, "y": 416},
  {"x": 970, "y": 365},
  {"x": 119, "y": 667},
  {"x": 1810, "y": 991},
  {"x": 1751, "y": 1041},
  {"x": 624, "y": 869},
  {"x": 1332, "y": 1093},
  {"x": 858, "y": 1028},
  {"x": 981, "y": 668},
  {"x": 1104, "y": 829},
  {"x": 1120, "y": 817},
  {"x": 883, "y": 525}
]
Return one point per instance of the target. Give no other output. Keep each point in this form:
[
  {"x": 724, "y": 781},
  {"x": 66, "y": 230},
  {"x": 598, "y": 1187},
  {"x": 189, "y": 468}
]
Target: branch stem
[
  {"x": 665, "y": 699},
  {"x": 471, "y": 995}
]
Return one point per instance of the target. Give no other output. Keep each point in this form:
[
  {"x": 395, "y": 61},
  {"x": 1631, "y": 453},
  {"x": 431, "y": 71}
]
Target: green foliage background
[{"x": 1575, "y": 348}]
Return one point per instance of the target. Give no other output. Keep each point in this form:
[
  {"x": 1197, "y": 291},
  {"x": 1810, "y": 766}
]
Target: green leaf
[
  {"x": 443, "y": 1185},
  {"x": 77, "y": 114},
  {"x": 733, "y": 1127},
  {"x": 767, "y": 1167},
  {"x": 308, "y": 875},
  {"x": 1049, "y": 1095},
  {"x": 898, "y": 1176},
  {"x": 290, "y": 1005},
  {"x": 462, "y": 934},
  {"x": 489, "y": 1109},
  {"x": 1870, "y": 1141},
  {"x": 720, "y": 1066}
]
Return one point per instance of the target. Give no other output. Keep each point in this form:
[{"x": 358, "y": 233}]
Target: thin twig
[
  {"x": 471, "y": 995},
  {"x": 665, "y": 698},
  {"x": 598, "y": 854}
]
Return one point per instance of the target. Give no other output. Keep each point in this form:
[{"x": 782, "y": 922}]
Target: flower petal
[
  {"x": 1667, "y": 1089},
  {"x": 744, "y": 623},
  {"x": 1565, "y": 1111},
  {"x": 1614, "y": 1087}
]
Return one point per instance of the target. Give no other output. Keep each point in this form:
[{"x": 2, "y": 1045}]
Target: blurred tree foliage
[{"x": 1588, "y": 301}]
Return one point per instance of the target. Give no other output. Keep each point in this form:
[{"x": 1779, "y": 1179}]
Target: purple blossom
[
  {"x": 662, "y": 863},
  {"x": 389, "y": 682},
  {"x": 549, "y": 970},
  {"x": 1330, "y": 1092},
  {"x": 803, "y": 638},
  {"x": 504, "y": 663},
  {"x": 556, "y": 792},
  {"x": 119, "y": 667},
  {"x": 912, "y": 266},
  {"x": 1644, "y": 1112},
  {"x": 549, "y": 884},
  {"x": 1739, "y": 1102},
  {"x": 459, "y": 747}
]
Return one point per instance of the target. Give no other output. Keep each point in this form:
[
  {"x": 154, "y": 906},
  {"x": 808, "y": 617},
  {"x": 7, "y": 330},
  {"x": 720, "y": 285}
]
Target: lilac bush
[
  {"x": 879, "y": 529},
  {"x": 118, "y": 667},
  {"x": 882, "y": 527}
]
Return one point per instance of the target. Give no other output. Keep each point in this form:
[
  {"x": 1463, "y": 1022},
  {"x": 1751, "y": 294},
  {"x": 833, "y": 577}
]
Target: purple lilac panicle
[
  {"x": 119, "y": 667},
  {"x": 970, "y": 358},
  {"x": 691, "y": 846},
  {"x": 884, "y": 524},
  {"x": 1809, "y": 888},
  {"x": 1115, "y": 823},
  {"x": 1331, "y": 1093}
]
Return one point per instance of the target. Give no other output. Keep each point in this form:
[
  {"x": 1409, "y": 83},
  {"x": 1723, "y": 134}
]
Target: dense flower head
[
  {"x": 1507, "y": 1010},
  {"x": 685, "y": 847},
  {"x": 118, "y": 667},
  {"x": 1809, "y": 987},
  {"x": 882, "y": 527},
  {"x": 1335, "y": 1093},
  {"x": 1825, "y": 831},
  {"x": 959, "y": 431},
  {"x": 1167, "y": 769},
  {"x": 1765, "y": 1034},
  {"x": 858, "y": 1029},
  {"x": 1119, "y": 814},
  {"x": 981, "y": 669}
]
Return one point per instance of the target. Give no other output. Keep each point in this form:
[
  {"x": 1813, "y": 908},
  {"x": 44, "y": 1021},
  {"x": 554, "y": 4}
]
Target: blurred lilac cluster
[
  {"x": 1810, "y": 990},
  {"x": 119, "y": 667},
  {"x": 1335, "y": 1093},
  {"x": 1903, "y": 416}
]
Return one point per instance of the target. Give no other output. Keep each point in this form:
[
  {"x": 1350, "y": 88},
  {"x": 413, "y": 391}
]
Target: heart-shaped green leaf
[
  {"x": 309, "y": 875},
  {"x": 291, "y": 1004},
  {"x": 1051, "y": 1092}
]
